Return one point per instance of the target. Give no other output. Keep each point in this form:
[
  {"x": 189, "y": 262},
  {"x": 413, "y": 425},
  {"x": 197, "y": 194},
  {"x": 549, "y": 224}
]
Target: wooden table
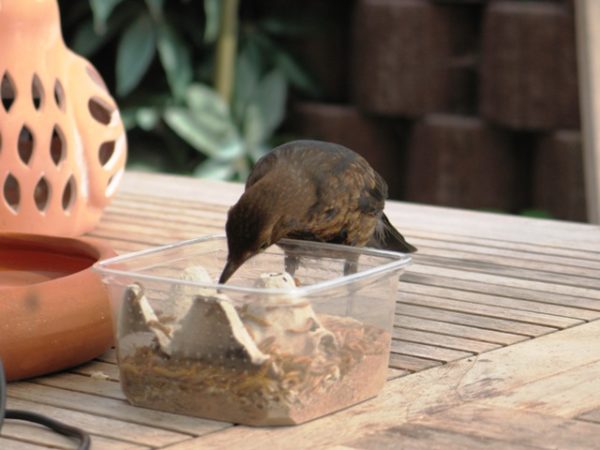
[{"x": 496, "y": 343}]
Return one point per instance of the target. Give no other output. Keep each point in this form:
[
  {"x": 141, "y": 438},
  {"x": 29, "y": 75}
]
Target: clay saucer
[{"x": 54, "y": 311}]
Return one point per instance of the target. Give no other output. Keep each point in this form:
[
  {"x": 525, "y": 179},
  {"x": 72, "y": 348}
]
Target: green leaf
[
  {"x": 215, "y": 170},
  {"x": 254, "y": 125},
  {"x": 102, "y": 9},
  {"x": 212, "y": 10},
  {"x": 176, "y": 59},
  {"x": 246, "y": 81},
  {"x": 147, "y": 118},
  {"x": 266, "y": 111},
  {"x": 156, "y": 9},
  {"x": 295, "y": 74},
  {"x": 204, "y": 101},
  {"x": 185, "y": 125},
  {"x": 257, "y": 151},
  {"x": 134, "y": 54},
  {"x": 271, "y": 99},
  {"x": 128, "y": 117},
  {"x": 199, "y": 133},
  {"x": 294, "y": 26},
  {"x": 86, "y": 41}
]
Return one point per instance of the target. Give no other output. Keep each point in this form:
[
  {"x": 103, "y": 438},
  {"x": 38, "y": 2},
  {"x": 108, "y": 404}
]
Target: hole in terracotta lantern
[
  {"x": 25, "y": 145},
  {"x": 7, "y": 91},
  {"x": 12, "y": 193},
  {"x": 41, "y": 194},
  {"x": 69, "y": 194},
  {"x": 57, "y": 145},
  {"x": 37, "y": 92},
  {"x": 106, "y": 151},
  {"x": 95, "y": 76},
  {"x": 100, "y": 110},
  {"x": 59, "y": 95}
]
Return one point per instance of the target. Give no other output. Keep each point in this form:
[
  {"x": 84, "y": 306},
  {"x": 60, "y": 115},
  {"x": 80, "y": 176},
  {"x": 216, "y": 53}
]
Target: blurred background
[{"x": 462, "y": 103}]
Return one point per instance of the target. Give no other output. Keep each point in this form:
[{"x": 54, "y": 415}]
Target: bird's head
[{"x": 252, "y": 226}]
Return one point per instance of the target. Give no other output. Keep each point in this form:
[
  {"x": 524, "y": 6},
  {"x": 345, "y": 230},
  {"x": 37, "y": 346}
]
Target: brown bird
[{"x": 310, "y": 190}]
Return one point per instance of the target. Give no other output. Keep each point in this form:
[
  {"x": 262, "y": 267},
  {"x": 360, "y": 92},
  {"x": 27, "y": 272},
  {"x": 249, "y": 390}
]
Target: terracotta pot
[
  {"x": 54, "y": 311},
  {"x": 62, "y": 141}
]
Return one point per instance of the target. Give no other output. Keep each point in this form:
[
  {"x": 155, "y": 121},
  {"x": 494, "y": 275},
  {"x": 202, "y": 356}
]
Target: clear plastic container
[{"x": 252, "y": 351}]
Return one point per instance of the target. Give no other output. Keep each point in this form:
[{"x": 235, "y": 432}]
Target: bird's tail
[{"x": 388, "y": 238}]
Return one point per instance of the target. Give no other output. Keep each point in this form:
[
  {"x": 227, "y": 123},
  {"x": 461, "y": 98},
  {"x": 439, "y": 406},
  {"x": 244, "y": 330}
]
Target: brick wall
[{"x": 461, "y": 103}]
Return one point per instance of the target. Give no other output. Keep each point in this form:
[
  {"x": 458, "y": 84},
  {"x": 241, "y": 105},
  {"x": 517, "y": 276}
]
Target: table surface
[{"x": 496, "y": 342}]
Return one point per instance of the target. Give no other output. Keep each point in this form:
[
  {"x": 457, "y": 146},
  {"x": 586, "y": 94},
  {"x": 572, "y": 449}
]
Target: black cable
[{"x": 55, "y": 425}]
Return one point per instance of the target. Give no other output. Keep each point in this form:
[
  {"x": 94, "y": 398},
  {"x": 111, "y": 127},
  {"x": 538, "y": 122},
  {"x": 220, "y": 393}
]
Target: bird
[{"x": 309, "y": 190}]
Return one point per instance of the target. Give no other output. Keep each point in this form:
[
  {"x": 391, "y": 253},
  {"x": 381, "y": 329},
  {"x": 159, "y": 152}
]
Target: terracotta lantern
[{"x": 62, "y": 142}]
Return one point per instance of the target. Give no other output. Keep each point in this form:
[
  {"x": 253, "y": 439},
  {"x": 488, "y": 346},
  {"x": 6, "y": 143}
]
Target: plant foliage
[{"x": 157, "y": 57}]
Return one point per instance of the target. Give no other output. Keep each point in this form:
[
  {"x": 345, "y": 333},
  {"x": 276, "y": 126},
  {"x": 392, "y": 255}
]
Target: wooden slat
[
  {"x": 474, "y": 320},
  {"x": 565, "y": 394},
  {"x": 500, "y": 312},
  {"x": 591, "y": 416},
  {"x": 185, "y": 206},
  {"x": 112, "y": 408},
  {"x": 190, "y": 218},
  {"x": 506, "y": 291},
  {"x": 396, "y": 373},
  {"x": 537, "y": 278},
  {"x": 102, "y": 426},
  {"x": 501, "y": 301},
  {"x": 515, "y": 426},
  {"x": 503, "y": 250},
  {"x": 10, "y": 444},
  {"x": 420, "y": 437},
  {"x": 501, "y": 281},
  {"x": 442, "y": 340},
  {"x": 131, "y": 211},
  {"x": 567, "y": 236},
  {"x": 181, "y": 187},
  {"x": 411, "y": 363},
  {"x": 98, "y": 369},
  {"x": 501, "y": 247},
  {"x": 461, "y": 331},
  {"x": 427, "y": 351},
  {"x": 187, "y": 209},
  {"x": 543, "y": 266},
  {"x": 41, "y": 437},
  {"x": 159, "y": 218},
  {"x": 81, "y": 383},
  {"x": 564, "y": 237}
]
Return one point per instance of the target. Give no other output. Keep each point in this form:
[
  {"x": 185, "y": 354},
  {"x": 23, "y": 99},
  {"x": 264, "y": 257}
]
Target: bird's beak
[{"x": 229, "y": 270}]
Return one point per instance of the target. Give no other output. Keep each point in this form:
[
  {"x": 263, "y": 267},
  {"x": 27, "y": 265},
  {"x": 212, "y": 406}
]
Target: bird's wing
[
  {"x": 373, "y": 193},
  {"x": 350, "y": 196}
]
